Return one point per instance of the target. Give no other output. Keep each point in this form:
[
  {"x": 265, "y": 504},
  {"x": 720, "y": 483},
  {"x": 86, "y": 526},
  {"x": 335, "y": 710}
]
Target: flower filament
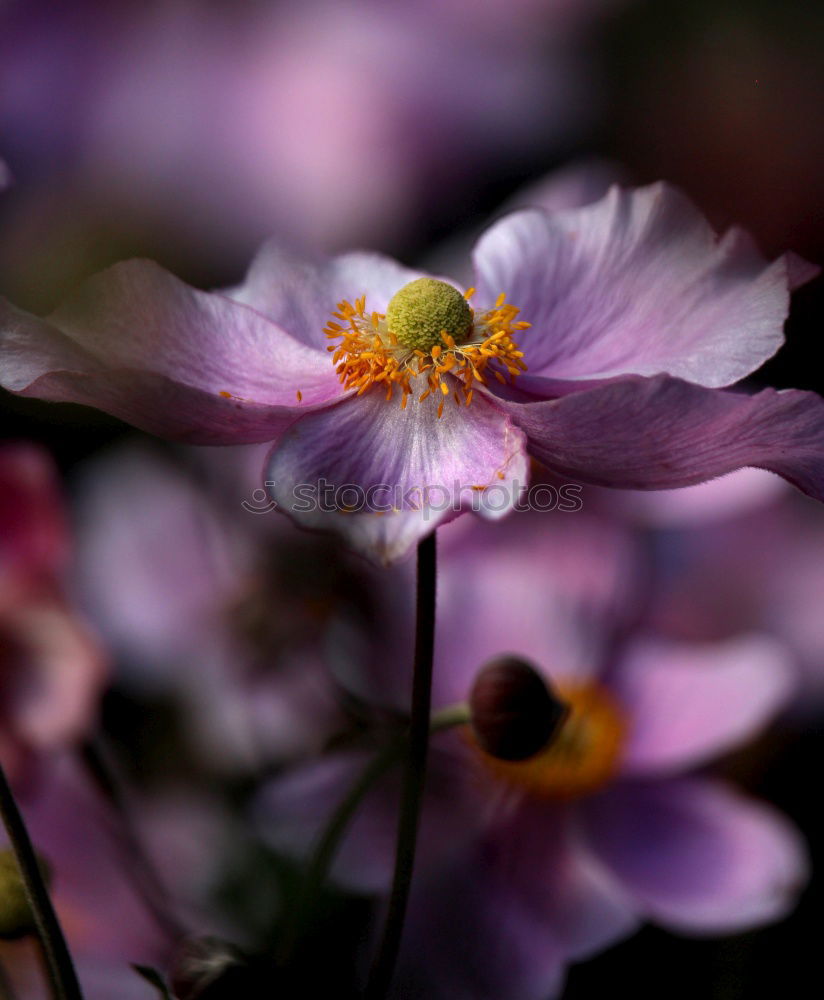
[{"x": 370, "y": 353}]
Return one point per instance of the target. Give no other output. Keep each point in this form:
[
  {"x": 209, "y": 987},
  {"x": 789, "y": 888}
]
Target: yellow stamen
[{"x": 368, "y": 354}]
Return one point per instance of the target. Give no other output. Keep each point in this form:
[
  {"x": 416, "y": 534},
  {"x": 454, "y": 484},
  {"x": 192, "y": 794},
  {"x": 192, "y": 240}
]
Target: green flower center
[{"x": 423, "y": 310}]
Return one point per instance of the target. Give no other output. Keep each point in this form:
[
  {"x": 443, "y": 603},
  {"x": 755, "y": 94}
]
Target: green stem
[
  {"x": 383, "y": 968},
  {"x": 58, "y": 961}
]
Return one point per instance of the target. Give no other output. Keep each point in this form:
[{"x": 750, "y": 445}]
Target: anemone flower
[
  {"x": 528, "y": 865},
  {"x": 596, "y": 340},
  {"x": 52, "y": 670}
]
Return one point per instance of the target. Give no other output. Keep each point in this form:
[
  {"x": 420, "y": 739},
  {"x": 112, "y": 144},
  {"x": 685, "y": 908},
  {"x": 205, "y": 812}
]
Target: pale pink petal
[
  {"x": 696, "y": 856},
  {"x": 138, "y": 343},
  {"x": 690, "y": 702},
  {"x": 299, "y": 294},
  {"x": 387, "y": 477},
  {"x": 662, "y": 432},
  {"x": 636, "y": 284}
]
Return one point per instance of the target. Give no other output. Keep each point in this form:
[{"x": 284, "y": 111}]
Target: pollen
[
  {"x": 582, "y": 758},
  {"x": 430, "y": 340}
]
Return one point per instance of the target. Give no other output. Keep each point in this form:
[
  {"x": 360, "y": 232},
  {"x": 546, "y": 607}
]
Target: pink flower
[
  {"x": 638, "y": 315},
  {"x": 51, "y": 669},
  {"x": 525, "y": 867},
  {"x": 261, "y": 120},
  {"x": 222, "y": 608}
]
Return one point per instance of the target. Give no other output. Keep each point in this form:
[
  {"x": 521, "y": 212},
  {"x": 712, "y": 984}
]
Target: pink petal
[
  {"x": 697, "y": 856},
  {"x": 33, "y": 537},
  {"x": 299, "y": 294},
  {"x": 688, "y": 702},
  {"x": 503, "y": 915},
  {"x": 636, "y": 284},
  {"x": 472, "y": 455},
  {"x": 138, "y": 343},
  {"x": 293, "y": 810},
  {"x": 662, "y": 432}
]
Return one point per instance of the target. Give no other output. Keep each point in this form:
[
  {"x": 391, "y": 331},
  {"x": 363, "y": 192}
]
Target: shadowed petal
[
  {"x": 637, "y": 283},
  {"x": 33, "y": 539},
  {"x": 690, "y": 702},
  {"x": 662, "y": 432},
  {"x": 383, "y": 477},
  {"x": 697, "y": 856},
  {"x": 138, "y": 343},
  {"x": 502, "y": 918},
  {"x": 292, "y": 811}
]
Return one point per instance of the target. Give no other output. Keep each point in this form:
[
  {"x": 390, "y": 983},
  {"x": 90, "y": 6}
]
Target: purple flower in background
[
  {"x": 637, "y": 313},
  {"x": 51, "y": 669},
  {"x": 527, "y": 866},
  {"x": 329, "y": 122}
]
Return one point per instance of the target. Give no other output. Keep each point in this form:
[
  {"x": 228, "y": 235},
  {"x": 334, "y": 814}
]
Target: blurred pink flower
[
  {"x": 51, "y": 669},
  {"x": 639, "y": 313},
  {"x": 332, "y": 123},
  {"x": 106, "y": 921},
  {"x": 223, "y": 608},
  {"x": 525, "y": 867}
]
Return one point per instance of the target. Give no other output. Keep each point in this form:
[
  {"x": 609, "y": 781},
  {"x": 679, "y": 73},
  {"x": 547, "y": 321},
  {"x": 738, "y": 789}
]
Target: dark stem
[
  {"x": 383, "y": 969},
  {"x": 328, "y": 843},
  {"x": 138, "y": 867},
  {"x": 58, "y": 961}
]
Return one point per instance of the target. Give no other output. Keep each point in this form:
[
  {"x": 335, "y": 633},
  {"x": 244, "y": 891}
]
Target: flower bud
[
  {"x": 16, "y": 917},
  {"x": 514, "y": 712}
]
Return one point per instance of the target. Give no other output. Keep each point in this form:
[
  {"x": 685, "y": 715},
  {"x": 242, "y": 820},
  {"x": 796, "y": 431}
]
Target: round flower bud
[
  {"x": 514, "y": 712},
  {"x": 16, "y": 917},
  {"x": 421, "y": 310}
]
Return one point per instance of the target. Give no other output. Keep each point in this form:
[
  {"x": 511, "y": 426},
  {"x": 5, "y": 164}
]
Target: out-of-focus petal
[
  {"x": 292, "y": 811},
  {"x": 690, "y": 702},
  {"x": 502, "y": 918},
  {"x": 138, "y": 343},
  {"x": 33, "y": 540},
  {"x": 154, "y": 566},
  {"x": 639, "y": 284},
  {"x": 697, "y": 856},
  {"x": 661, "y": 432},
  {"x": 58, "y": 680},
  {"x": 383, "y": 477}
]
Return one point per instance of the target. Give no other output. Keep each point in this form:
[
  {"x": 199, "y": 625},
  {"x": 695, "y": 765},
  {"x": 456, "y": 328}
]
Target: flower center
[
  {"x": 583, "y": 756},
  {"x": 429, "y": 341}
]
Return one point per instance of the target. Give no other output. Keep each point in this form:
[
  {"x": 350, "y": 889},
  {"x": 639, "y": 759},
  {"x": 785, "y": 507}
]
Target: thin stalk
[
  {"x": 138, "y": 867},
  {"x": 58, "y": 962},
  {"x": 327, "y": 846},
  {"x": 383, "y": 968}
]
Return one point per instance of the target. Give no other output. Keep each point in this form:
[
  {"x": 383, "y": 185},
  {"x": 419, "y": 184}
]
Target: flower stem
[
  {"x": 138, "y": 866},
  {"x": 326, "y": 848},
  {"x": 58, "y": 961},
  {"x": 383, "y": 968}
]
